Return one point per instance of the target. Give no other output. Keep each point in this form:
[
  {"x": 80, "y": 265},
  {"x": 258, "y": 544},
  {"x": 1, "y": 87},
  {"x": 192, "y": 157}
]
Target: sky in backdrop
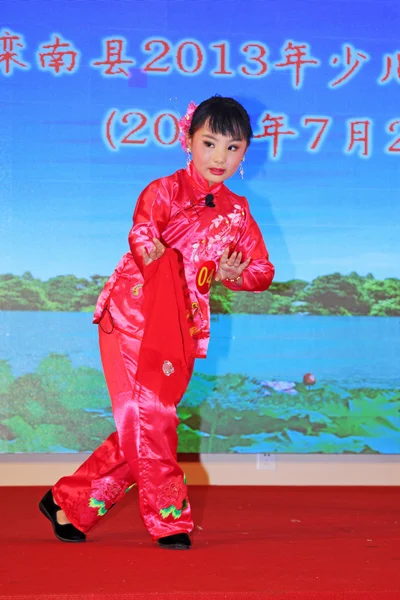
[{"x": 67, "y": 197}]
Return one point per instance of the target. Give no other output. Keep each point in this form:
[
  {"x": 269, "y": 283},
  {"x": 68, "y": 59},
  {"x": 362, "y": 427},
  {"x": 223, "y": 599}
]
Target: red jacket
[{"x": 173, "y": 210}]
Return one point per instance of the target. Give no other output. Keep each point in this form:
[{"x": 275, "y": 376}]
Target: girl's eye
[
  {"x": 233, "y": 147},
  {"x": 208, "y": 144}
]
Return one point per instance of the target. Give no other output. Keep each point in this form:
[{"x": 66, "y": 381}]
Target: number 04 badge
[{"x": 205, "y": 276}]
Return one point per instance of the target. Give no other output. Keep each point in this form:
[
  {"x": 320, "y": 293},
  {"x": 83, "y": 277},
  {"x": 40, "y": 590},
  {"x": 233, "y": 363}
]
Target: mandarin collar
[{"x": 199, "y": 182}]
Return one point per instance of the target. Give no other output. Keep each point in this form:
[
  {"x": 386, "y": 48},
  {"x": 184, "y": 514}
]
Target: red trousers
[{"x": 141, "y": 451}]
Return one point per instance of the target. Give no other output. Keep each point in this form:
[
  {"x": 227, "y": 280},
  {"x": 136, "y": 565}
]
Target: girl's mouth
[{"x": 217, "y": 171}]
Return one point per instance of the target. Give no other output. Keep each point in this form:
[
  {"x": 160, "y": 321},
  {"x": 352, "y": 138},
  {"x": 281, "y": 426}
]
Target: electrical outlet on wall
[{"x": 266, "y": 462}]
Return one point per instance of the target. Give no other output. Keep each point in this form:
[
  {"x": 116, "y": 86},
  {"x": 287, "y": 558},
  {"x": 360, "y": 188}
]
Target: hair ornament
[{"x": 184, "y": 124}]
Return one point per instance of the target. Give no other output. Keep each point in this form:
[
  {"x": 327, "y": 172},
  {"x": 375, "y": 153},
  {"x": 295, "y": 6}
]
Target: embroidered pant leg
[
  {"x": 144, "y": 451},
  {"x": 148, "y": 438},
  {"x": 105, "y": 476},
  {"x": 97, "y": 484}
]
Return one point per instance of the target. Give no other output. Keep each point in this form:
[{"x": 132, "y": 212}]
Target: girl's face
[{"x": 215, "y": 156}]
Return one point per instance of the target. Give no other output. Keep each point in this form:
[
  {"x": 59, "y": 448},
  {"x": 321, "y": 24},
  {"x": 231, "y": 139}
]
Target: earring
[
  {"x": 188, "y": 157},
  {"x": 241, "y": 170}
]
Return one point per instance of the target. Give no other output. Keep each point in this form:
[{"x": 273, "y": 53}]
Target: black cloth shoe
[
  {"x": 65, "y": 533},
  {"x": 178, "y": 541}
]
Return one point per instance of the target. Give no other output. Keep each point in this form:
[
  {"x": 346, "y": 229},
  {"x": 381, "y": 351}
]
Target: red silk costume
[{"x": 143, "y": 449}]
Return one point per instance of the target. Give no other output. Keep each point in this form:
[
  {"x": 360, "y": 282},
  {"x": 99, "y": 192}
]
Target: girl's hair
[{"x": 223, "y": 115}]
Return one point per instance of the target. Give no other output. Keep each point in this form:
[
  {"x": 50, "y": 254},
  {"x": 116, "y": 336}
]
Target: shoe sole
[
  {"x": 46, "y": 514},
  {"x": 174, "y": 547}
]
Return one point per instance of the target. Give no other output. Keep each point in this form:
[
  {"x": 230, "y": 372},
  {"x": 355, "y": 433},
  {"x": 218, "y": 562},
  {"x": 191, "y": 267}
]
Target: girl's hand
[
  {"x": 156, "y": 252},
  {"x": 231, "y": 267}
]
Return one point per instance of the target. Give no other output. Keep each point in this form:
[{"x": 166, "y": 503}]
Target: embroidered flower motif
[
  {"x": 194, "y": 330},
  {"x": 235, "y": 217},
  {"x": 172, "y": 498},
  {"x": 223, "y": 233},
  {"x": 184, "y": 124},
  {"x": 168, "y": 368},
  {"x": 216, "y": 222},
  {"x": 100, "y": 505},
  {"x": 195, "y": 247},
  {"x": 136, "y": 289},
  {"x": 104, "y": 493}
]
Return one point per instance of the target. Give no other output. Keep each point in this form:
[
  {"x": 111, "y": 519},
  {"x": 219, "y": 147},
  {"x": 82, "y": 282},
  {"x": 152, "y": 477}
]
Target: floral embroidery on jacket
[
  {"x": 221, "y": 233},
  {"x": 172, "y": 498}
]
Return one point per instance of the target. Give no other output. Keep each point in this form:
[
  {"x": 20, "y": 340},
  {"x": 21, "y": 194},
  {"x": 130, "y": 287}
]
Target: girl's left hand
[{"x": 231, "y": 267}]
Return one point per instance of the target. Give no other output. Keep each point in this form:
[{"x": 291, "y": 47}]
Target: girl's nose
[{"x": 219, "y": 155}]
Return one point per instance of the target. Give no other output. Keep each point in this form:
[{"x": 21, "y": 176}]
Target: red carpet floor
[{"x": 250, "y": 543}]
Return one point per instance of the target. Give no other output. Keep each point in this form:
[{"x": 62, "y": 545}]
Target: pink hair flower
[{"x": 184, "y": 124}]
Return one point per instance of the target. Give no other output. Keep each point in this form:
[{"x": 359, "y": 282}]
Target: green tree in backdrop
[{"x": 333, "y": 294}]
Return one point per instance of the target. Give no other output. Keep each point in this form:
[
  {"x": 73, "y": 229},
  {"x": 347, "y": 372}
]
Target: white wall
[{"x": 226, "y": 469}]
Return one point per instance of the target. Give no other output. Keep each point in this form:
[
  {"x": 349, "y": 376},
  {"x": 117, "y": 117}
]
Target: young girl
[{"x": 191, "y": 229}]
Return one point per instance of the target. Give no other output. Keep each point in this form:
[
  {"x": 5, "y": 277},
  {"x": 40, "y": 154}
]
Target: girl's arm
[
  {"x": 258, "y": 275},
  {"x": 150, "y": 218}
]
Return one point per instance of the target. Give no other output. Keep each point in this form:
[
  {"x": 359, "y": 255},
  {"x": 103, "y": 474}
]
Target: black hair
[{"x": 223, "y": 115}]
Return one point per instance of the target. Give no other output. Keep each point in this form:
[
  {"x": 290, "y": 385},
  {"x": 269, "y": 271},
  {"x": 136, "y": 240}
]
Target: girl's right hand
[{"x": 157, "y": 251}]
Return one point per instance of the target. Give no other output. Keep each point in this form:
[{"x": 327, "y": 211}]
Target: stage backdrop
[{"x": 90, "y": 96}]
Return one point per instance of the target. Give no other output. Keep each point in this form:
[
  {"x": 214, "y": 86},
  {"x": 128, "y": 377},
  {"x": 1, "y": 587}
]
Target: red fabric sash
[{"x": 167, "y": 352}]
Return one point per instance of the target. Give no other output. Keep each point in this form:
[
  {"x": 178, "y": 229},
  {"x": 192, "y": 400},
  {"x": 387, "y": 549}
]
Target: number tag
[{"x": 205, "y": 276}]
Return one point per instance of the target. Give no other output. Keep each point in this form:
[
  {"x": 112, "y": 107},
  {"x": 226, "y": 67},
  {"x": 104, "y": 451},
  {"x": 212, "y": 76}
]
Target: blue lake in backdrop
[{"x": 350, "y": 351}]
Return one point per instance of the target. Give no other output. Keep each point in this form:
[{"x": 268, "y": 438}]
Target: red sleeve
[
  {"x": 257, "y": 277},
  {"x": 150, "y": 218}
]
